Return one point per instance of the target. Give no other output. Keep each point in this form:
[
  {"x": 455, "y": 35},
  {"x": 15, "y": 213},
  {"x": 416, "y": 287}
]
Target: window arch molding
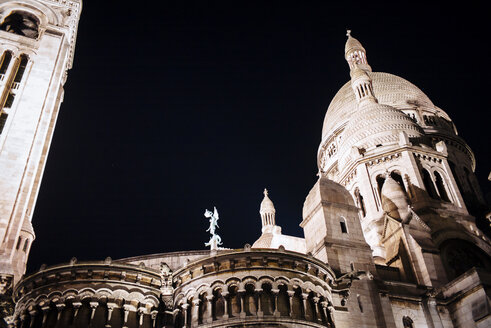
[
  {"x": 448, "y": 188},
  {"x": 44, "y": 14}
]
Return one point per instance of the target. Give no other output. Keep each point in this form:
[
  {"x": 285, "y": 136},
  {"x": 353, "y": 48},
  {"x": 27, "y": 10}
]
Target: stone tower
[
  {"x": 408, "y": 171},
  {"x": 37, "y": 42}
]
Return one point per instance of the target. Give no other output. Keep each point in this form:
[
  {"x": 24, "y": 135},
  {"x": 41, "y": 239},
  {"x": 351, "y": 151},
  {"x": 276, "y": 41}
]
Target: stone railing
[
  {"x": 254, "y": 286},
  {"x": 90, "y": 294}
]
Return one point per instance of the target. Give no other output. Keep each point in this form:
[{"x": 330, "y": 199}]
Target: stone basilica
[{"x": 390, "y": 238}]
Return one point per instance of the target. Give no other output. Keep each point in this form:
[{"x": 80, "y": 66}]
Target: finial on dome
[
  {"x": 265, "y": 192},
  {"x": 348, "y": 33}
]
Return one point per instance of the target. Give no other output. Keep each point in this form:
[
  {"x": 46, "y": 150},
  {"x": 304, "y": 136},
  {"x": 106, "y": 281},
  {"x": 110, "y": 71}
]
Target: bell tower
[{"x": 37, "y": 42}]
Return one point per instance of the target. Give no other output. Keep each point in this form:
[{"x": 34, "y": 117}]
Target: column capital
[
  {"x": 196, "y": 302},
  {"x": 185, "y": 306}
]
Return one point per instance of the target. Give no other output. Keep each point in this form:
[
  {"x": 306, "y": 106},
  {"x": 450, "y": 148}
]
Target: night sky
[{"x": 173, "y": 107}]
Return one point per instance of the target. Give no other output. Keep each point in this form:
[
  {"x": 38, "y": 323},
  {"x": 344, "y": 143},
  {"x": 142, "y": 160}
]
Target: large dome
[{"x": 389, "y": 89}]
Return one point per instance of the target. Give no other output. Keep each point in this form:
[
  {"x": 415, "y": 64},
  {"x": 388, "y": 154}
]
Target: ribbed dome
[
  {"x": 390, "y": 90},
  {"x": 375, "y": 124}
]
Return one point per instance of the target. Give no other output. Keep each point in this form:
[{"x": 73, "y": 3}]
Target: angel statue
[{"x": 215, "y": 239}]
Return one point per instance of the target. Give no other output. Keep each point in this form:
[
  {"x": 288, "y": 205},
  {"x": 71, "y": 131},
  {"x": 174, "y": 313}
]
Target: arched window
[
  {"x": 297, "y": 304},
  {"x": 380, "y": 183},
  {"x": 250, "y": 300},
  {"x": 267, "y": 299},
  {"x": 441, "y": 187},
  {"x": 21, "y": 23},
  {"x": 234, "y": 301},
  {"x": 430, "y": 188},
  {"x": 398, "y": 178},
  {"x": 407, "y": 322},
  {"x": 218, "y": 306},
  {"x": 283, "y": 301}
]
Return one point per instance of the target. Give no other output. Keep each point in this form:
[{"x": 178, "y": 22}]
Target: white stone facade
[
  {"x": 37, "y": 41},
  {"x": 389, "y": 229}
]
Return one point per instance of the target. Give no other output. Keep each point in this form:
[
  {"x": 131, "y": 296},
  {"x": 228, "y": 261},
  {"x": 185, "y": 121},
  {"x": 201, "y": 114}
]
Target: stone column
[
  {"x": 225, "y": 304},
  {"x": 324, "y": 311},
  {"x": 209, "y": 310},
  {"x": 153, "y": 315},
  {"x": 23, "y": 317},
  {"x": 141, "y": 312},
  {"x": 45, "y": 310},
  {"x": 290, "y": 299},
  {"x": 259, "y": 312},
  {"x": 32, "y": 314},
  {"x": 127, "y": 308},
  {"x": 276, "y": 294},
  {"x": 76, "y": 308},
  {"x": 93, "y": 308},
  {"x": 185, "y": 307},
  {"x": 305, "y": 298},
  {"x": 317, "y": 316},
  {"x": 330, "y": 316},
  {"x": 59, "y": 308},
  {"x": 195, "y": 313},
  {"x": 241, "y": 293},
  {"x": 110, "y": 308}
]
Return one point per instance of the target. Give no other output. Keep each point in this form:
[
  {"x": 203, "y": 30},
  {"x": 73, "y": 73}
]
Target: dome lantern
[
  {"x": 355, "y": 54},
  {"x": 267, "y": 211}
]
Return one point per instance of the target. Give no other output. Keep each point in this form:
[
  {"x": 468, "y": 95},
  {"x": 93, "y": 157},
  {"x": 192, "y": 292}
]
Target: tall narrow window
[
  {"x": 26, "y": 244},
  {"x": 441, "y": 187},
  {"x": 21, "y": 69},
  {"x": 397, "y": 177},
  {"x": 4, "y": 63},
  {"x": 380, "y": 183},
  {"x": 3, "y": 120},
  {"x": 430, "y": 188},
  {"x": 344, "y": 227},
  {"x": 19, "y": 241}
]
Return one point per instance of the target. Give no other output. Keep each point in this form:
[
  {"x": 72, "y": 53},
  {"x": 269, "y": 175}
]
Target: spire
[
  {"x": 267, "y": 211},
  {"x": 355, "y": 55}
]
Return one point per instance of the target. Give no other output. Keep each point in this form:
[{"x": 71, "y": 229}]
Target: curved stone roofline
[
  {"x": 256, "y": 253},
  {"x": 159, "y": 255},
  {"x": 90, "y": 270}
]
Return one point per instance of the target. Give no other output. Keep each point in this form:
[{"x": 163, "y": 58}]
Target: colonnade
[
  {"x": 254, "y": 302},
  {"x": 88, "y": 313}
]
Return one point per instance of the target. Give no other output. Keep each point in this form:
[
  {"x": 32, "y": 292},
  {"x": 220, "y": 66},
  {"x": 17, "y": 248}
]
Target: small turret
[
  {"x": 360, "y": 81},
  {"x": 267, "y": 212},
  {"x": 355, "y": 54}
]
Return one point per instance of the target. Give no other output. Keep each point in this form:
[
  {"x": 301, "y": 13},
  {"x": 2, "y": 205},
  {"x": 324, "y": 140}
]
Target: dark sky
[{"x": 173, "y": 107}]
